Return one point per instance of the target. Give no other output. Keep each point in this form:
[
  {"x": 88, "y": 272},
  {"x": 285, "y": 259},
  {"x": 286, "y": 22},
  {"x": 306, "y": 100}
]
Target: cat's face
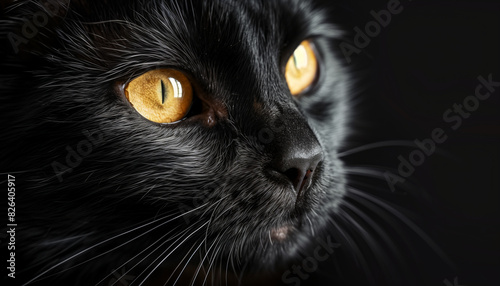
[{"x": 242, "y": 178}]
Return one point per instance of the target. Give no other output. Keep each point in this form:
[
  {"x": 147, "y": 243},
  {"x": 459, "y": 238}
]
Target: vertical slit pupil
[{"x": 163, "y": 95}]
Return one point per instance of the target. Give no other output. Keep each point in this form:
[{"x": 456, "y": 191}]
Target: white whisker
[
  {"x": 185, "y": 265},
  {"x": 201, "y": 262},
  {"x": 407, "y": 222},
  {"x": 390, "y": 143},
  {"x": 151, "y": 245},
  {"x": 158, "y": 265}
]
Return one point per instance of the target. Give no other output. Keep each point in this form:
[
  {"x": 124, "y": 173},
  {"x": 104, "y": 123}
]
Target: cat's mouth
[
  {"x": 286, "y": 231},
  {"x": 294, "y": 224},
  {"x": 280, "y": 234}
]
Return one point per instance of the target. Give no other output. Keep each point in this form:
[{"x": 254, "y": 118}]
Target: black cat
[
  {"x": 236, "y": 178},
  {"x": 197, "y": 143}
]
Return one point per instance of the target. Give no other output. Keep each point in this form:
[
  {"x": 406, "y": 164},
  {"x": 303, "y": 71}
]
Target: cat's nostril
[
  {"x": 293, "y": 174},
  {"x": 300, "y": 179},
  {"x": 299, "y": 169}
]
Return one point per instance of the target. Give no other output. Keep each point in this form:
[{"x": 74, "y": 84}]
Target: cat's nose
[{"x": 299, "y": 165}]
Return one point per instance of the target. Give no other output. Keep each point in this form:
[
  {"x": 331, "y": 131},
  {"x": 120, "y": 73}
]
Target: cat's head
[{"x": 194, "y": 131}]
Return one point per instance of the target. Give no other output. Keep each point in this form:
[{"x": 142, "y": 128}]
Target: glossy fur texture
[{"x": 104, "y": 191}]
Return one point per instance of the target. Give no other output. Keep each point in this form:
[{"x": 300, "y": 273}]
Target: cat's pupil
[{"x": 163, "y": 92}]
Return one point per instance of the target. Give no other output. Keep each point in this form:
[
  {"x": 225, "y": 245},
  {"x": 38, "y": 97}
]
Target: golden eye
[
  {"x": 162, "y": 95},
  {"x": 301, "y": 69}
]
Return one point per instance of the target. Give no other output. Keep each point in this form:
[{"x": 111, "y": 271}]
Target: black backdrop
[{"x": 427, "y": 59}]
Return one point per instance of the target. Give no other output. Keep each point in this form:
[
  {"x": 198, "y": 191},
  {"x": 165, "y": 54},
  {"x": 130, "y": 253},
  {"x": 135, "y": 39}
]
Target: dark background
[{"x": 428, "y": 58}]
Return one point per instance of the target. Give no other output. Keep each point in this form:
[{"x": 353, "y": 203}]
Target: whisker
[
  {"x": 211, "y": 261},
  {"x": 367, "y": 171},
  {"x": 354, "y": 249},
  {"x": 163, "y": 260},
  {"x": 389, "y": 243},
  {"x": 201, "y": 263},
  {"x": 90, "y": 248},
  {"x": 230, "y": 260},
  {"x": 367, "y": 238},
  {"x": 215, "y": 205},
  {"x": 135, "y": 256},
  {"x": 110, "y": 239},
  {"x": 408, "y": 223},
  {"x": 389, "y": 143},
  {"x": 185, "y": 265},
  {"x": 219, "y": 278},
  {"x": 409, "y": 186},
  {"x": 177, "y": 237},
  {"x": 402, "y": 237}
]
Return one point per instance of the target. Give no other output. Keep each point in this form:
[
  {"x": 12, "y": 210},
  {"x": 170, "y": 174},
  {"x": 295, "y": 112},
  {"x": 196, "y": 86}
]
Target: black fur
[{"x": 149, "y": 195}]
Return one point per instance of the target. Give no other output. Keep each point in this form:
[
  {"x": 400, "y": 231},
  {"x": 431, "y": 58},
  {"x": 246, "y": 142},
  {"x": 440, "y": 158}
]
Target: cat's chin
[
  {"x": 282, "y": 244},
  {"x": 281, "y": 234}
]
